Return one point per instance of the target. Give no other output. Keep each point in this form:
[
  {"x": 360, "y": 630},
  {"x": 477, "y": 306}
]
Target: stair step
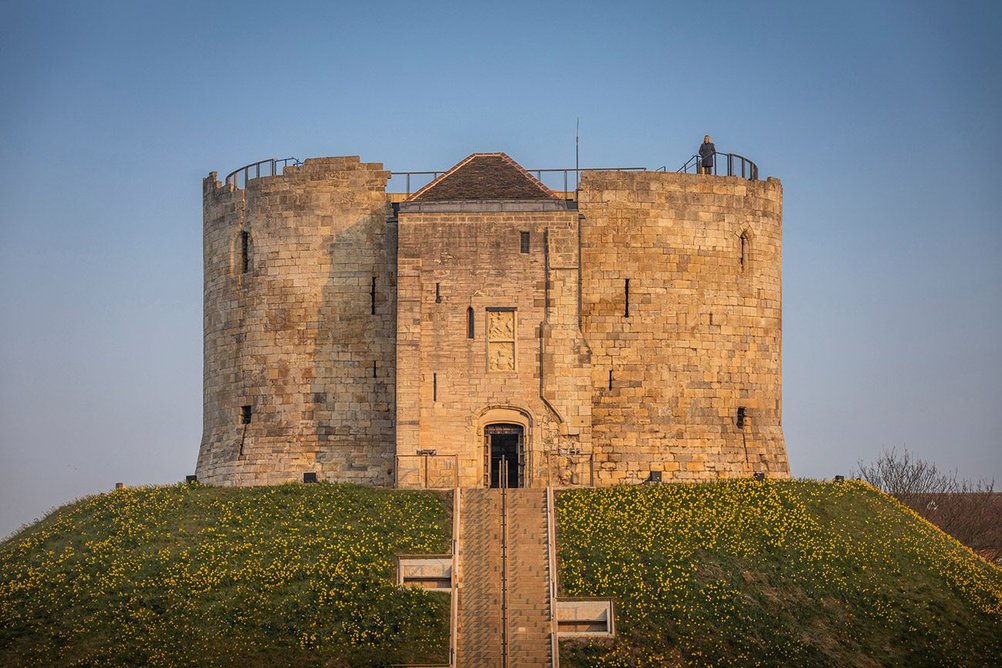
[{"x": 529, "y": 618}]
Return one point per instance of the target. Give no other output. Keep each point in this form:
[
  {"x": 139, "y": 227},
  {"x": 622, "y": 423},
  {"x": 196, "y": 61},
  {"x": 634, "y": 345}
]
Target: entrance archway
[{"x": 504, "y": 448}]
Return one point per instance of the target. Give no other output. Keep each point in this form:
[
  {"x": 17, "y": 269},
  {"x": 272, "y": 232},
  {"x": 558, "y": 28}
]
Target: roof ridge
[{"x": 504, "y": 157}]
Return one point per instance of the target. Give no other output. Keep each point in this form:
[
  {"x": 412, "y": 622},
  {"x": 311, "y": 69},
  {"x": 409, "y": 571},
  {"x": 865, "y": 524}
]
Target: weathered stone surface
[
  {"x": 608, "y": 382},
  {"x": 294, "y": 336},
  {"x": 704, "y": 331}
]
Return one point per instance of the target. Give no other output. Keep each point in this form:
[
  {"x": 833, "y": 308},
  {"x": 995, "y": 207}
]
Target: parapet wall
[
  {"x": 300, "y": 302},
  {"x": 698, "y": 339}
]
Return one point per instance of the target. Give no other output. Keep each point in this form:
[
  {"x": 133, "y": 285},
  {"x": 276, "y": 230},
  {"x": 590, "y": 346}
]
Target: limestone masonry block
[{"x": 353, "y": 332}]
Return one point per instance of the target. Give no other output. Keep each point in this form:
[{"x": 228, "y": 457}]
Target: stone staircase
[
  {"x": 528, "y": 580},
  {"x": 479, "y": 639},
  {"x": 479, "y": 632}
]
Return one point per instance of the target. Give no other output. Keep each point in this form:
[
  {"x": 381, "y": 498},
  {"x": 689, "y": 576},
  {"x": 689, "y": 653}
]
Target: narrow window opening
[
  {"x": 470, "y": 323},
  {"x": 525, "y": 242},
  {"x": 373, "y": 368},
  {"x": 245, "y": 418},
  {"x": 626, "y": 304},
  {"x": 438, "y": 293},
  {"x": 434, "y": 387},
  {"x": 372, "y": 296},
  {"x": 610, "y": 380},
  {"x": 745, "y": 243},
  {"x": 244, "y": 252},
  {"x": 741, "y": 417}
]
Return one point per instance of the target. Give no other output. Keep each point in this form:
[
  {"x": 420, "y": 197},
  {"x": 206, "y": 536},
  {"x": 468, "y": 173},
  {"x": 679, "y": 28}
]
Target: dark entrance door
[{"x": 505, "y": 448}]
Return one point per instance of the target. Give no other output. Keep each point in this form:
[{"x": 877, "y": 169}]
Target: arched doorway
[{"x": 504, "y": 446}]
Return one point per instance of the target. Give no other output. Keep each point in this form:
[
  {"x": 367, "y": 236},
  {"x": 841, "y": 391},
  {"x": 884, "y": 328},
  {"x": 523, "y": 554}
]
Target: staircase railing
[
  {"x": 503, "y": 484},
  {"x": 735, "y": 163},
  {"x": 457, "y": 527},
  {"x": 551, "y": 562}
]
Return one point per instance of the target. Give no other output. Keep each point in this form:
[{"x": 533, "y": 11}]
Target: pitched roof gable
[{"x": 484, "y": 176}]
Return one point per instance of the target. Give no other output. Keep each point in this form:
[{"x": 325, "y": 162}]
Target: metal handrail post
[
  {"x": 503, "y": 484},
  {"x": 454, "y": 603},
  {"x": 551, "y": 543}
]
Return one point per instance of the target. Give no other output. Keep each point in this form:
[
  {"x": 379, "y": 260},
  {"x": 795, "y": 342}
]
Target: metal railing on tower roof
[
  {"x": 267, "y": 167},
  {"x": 560, "y": 179},
  {"x": 544, "y": 176},
  {"x": 734, "y": 162}
]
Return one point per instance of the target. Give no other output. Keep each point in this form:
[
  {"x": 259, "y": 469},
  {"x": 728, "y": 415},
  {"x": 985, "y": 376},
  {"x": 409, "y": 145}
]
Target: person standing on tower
[{"x": 706, "y": 153}]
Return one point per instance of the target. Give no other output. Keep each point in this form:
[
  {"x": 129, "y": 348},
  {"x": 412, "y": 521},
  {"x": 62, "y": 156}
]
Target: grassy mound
[
  {"x": 287, "y": 575},
  {"x": 775, "y": 573}
]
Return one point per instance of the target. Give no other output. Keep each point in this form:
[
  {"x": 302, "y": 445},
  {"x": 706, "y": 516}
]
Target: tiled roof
[{"x": 484, "y": 176}]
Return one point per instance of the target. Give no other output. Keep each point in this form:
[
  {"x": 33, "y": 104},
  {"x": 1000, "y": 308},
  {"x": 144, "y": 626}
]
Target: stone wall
[
  {"x": 702, "y": 338},
  {"x": 449, "y": 385},
  {"x": 292, "y": 333},
  {"x": 685, "y": 380}
]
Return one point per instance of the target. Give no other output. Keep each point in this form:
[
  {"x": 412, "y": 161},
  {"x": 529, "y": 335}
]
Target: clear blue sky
[{"x": 881, "y": 118}]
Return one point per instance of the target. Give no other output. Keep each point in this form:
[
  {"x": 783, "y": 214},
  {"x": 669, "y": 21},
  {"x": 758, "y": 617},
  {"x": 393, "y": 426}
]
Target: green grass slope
[
  {"x": 774, "y": 573},
  {"x": 173, "y": 576}
]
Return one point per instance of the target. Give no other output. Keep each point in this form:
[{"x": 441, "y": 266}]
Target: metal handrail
[
  {"x": 749, "y": 170},
  {"x": 423, "y": 460},
  {"x": 551, "y": 564},
  {"x": 457, "y": 527},
  {"x": 233, "y": 178},
  {"x": 503, "y": 484},
  {"x": 538, "y": 173},
  {"x": 275, "y": 166}
]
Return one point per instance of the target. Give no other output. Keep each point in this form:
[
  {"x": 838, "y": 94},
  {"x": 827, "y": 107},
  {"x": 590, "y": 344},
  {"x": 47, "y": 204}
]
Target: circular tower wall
[
  {"x": 682, "y": 307},
  {"x": 299, "y": 336}
]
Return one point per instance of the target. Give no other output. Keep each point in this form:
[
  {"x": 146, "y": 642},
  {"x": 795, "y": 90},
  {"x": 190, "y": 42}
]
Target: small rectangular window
[
  {"x": 470, "y": 323},
  {"x": 742, "y": 414},
  {"x": 525, "y": 242},
  {"x": 245, "y": 414},
  {"x": 434, "y": 387},
  {"x": 438, "y": 293},
  {"x": 372, "y": 297}
]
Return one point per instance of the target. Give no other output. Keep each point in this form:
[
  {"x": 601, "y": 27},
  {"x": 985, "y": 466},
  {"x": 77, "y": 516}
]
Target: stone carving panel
[{"x": 501, "y": 340}]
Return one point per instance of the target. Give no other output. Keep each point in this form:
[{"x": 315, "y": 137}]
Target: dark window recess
[
  {"x": 741, "y": 417},
  {"x": 434, "y": 387},
  {"x": 245, "y": 414},
  {"x": 438, "y": 293},
  {"x": 373, "y": 369},
  {"x": 744, "y": 250},
  {"x": 525, "y": 243},
  {"x": 626, "y": 301},
  {"x": 610, "y": 380},
  {"x": 470, "y": 323},
  {"x": 372, "y": 296},
  {"x": 244, "y": 252}
]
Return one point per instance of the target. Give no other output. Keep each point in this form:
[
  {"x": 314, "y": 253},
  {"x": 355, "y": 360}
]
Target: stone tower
[
  {"x": 300, "y": 306},
  {"x": 627, "y": 333}
]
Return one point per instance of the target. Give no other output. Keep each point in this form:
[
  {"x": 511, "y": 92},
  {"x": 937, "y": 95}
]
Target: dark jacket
[{"x": 706, "y": 152}]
